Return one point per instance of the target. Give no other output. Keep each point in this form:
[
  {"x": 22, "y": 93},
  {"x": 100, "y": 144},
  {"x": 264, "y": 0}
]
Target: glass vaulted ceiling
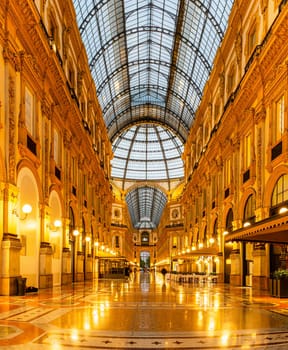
[
  {"x": 145, "y": 206},
  {"x": 150, "y": 60}
]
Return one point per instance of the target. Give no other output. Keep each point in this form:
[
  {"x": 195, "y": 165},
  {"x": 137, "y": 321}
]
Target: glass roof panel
[
  {"x": 150, "y": 60},
  {"x": 145, "y": 206}
]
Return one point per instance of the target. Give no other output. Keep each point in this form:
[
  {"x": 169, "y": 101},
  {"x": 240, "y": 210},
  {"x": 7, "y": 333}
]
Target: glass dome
[{"x": 147, "y": 152}]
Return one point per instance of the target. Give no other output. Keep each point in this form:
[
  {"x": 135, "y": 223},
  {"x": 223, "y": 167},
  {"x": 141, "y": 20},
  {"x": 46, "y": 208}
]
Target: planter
[
  {"x": 279, "y": 287},
  {"x": 282, "y": 288}
]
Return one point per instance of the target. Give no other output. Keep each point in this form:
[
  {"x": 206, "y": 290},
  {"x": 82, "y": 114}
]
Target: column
[{"x": 260, "y": 279}]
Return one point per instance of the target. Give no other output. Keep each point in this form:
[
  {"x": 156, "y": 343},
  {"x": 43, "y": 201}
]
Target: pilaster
[
  {"x": 235, "y": 277},
  {"x": 66, "y": 266},
  {"x": 10, "y": 264},
  {"x": 46, "y": 276}
]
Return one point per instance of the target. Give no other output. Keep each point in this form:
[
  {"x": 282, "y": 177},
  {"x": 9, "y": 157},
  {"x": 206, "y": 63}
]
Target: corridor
[{"x": 143, "y": 313}]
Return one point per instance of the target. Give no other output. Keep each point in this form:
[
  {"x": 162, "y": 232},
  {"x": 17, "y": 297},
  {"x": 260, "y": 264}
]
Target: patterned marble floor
[{"x": 143, "y": 313}]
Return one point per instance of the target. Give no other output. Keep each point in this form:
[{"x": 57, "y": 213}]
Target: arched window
[
  {"x": 231, "y": 80},
  {"x": 205, "y": 237},
  {"x": 280, "y": 194},
  {"x": 216, "y": 111},
  {"x": 229, "y": 221},
  {"x": 71, "y": 222},
  {"x": 215, "y": 233},
  {"x": 249, "y": 210},
  {"x": 251, "y": 38}
]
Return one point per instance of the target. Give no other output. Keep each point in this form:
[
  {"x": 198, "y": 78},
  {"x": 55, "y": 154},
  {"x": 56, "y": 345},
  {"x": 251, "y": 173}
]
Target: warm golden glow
[
  {"x": 225, "y": 338},
  {"x": 27, "y": 209},
  {"x": 57, "y": 223},
  {"x": 74, "y": 335},
  {"x": 211, "y": 325},
  {"x": 283, "y": 210}
]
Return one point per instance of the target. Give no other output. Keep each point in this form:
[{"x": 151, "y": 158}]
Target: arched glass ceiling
[
  {"x": 147, "y": 152},
  {"x": 145, "y": 206},
  {"x": 150, "y": 59}
]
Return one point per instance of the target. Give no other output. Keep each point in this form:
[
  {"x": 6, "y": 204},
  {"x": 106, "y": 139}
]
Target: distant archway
[{"x": 145, "y": 260}]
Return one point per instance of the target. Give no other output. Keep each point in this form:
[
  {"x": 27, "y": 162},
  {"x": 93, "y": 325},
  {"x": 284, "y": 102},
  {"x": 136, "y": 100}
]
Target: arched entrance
[
  {"x": 145, "y": 260},
  {"x": 28, "y": 229}
]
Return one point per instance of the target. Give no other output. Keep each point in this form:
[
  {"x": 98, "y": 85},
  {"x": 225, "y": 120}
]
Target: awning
[
  {"x": 199, "y": 252},
  {"x": 103, "y": 255},
  {"x": 271, "y": 230}
]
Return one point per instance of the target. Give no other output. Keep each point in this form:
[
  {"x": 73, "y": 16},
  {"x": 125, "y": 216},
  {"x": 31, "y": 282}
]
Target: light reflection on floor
[{"x": 144, "y": 313}]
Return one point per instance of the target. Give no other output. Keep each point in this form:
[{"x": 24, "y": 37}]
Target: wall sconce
[
  {"x": 225, "y": 233},
  {"x": 55, "y": 226},
  {"x": 88, "y": 239},
  {"x": 26, "y": 209},
  {"x": 283, "y": 210},
  {"x": 211, "y": 240},
  {"x": 246, "y": 224},
  {"x": 75, "y": 233}
]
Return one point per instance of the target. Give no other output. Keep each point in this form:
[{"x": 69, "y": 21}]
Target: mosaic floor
[{"x": 143, "y": 313}]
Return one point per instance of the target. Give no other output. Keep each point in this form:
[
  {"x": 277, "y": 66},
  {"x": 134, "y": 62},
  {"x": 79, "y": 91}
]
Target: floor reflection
[{"x": 145, "y": 312}]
